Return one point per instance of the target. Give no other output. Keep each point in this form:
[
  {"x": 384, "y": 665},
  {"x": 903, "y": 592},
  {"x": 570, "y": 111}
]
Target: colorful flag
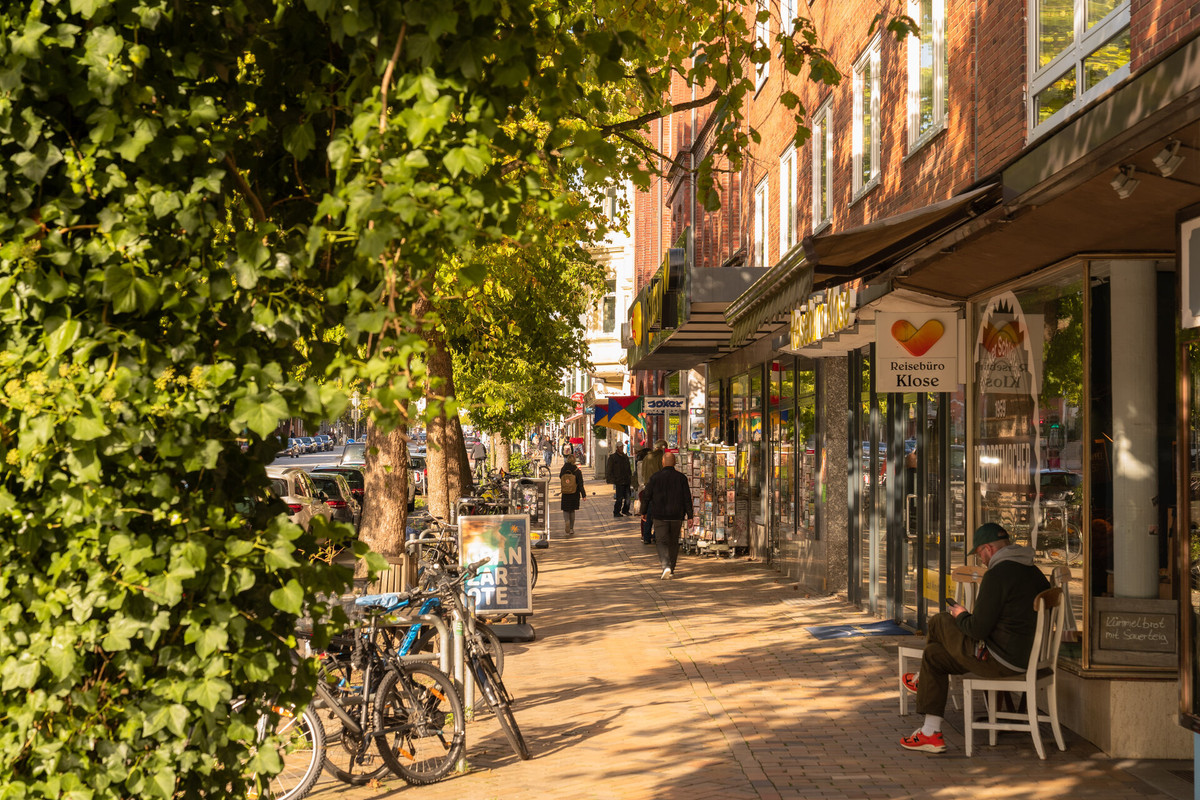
[
  {"x": 626, "y": 410},
  {"x": 600, "y": 414}
]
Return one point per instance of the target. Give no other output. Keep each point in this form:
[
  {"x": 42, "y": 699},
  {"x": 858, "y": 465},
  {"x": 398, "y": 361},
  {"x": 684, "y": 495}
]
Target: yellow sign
[
  {"x": 654, "y": 303},
  {"x": 635, "y": 323},
  {"x": 817, "y": 319}
]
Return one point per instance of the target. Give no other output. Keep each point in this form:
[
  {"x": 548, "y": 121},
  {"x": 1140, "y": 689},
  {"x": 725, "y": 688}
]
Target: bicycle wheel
[
  {"x": 349, "y": 756},
  {"x": 420, "y": 723},
  {"x": 497, "y": 696},
  {"x": 533, "y": 569},
  {"x": 300, "y": 742}
]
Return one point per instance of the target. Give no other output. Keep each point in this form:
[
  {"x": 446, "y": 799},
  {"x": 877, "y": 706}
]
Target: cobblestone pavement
[{"x": 709, "y": 686}]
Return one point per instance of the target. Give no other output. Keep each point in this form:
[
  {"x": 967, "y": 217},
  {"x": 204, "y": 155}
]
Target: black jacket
[
  {"x": 1003, "y": 616},
  {"x": 668, "y": 495},
  {"x": 617, "y": 470},
  {"x": 570, "y": 502}
]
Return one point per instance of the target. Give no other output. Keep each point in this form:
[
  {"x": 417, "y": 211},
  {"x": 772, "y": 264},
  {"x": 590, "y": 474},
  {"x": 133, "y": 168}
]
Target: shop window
[
  {"x": 806, "y": 451},
  {"x": 822, "y": 166},
  {"x": 609, "y": 308},
  {"x": 866, "y": 119},
  {"x": 927, "y": 72},
  {"x": 1078, "y": 48}
]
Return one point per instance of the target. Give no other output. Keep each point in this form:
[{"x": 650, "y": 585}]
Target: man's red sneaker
[
  {"x": 910, "y": 681},
  {"x": 926, "y": 744}
]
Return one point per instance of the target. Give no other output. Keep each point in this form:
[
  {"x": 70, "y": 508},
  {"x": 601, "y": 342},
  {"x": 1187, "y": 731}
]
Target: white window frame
[
  {"x": 822, "y": 153},
  {"x": 762, "y": 32},
  {"x": 1084, "y": 44},
  {"x": 787, "y": 16},
  {"x": 917, "y": 137},
  {"x": 761, "y": 199},
  {"x": 871, "y": 57},
  {"x": 788, "y": 224}
]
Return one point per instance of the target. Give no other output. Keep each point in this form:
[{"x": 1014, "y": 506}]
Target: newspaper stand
[{"x": 717, "y": 505}]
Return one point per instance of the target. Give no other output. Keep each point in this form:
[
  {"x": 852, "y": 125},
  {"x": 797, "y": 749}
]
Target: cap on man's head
[{"x": 987, "y": 533}]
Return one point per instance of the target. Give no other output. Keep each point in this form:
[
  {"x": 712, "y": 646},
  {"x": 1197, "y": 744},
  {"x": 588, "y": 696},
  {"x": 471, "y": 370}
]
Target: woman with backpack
[{"x": 570, "y": 481}]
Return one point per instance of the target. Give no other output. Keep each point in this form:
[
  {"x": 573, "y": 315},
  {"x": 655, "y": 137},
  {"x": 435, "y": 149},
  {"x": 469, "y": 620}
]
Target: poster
[
  {"x": 530, "y": 496},
  {"x": 503, "y": 584}
]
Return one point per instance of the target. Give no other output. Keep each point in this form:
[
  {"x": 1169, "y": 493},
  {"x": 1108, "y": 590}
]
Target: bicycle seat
[{"x": 385, "y": 601}]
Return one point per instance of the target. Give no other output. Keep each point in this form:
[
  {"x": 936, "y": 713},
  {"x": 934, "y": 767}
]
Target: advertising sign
[
  {"x": 1007, "y": 453},
  {"x": 916, "y": 351},
  {"x": 661, "y": 406},
  {"x": 503, "y": 585}
]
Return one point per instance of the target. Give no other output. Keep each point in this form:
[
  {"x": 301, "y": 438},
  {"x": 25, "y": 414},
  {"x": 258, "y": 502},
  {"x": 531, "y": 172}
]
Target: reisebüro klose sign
[{"x": 916, "y": 351}]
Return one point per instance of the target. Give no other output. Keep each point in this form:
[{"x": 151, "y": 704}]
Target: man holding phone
[{"x": 993, "y": 641}]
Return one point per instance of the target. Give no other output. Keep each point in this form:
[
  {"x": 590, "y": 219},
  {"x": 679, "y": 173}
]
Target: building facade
[{"x": 971, "y": 300}]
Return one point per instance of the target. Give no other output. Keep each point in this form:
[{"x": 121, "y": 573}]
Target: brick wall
[{"x": 1159, "y": 26}]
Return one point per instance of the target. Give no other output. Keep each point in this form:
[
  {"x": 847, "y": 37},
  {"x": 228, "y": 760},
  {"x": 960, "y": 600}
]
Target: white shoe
[{"x": 666, "y": 574}]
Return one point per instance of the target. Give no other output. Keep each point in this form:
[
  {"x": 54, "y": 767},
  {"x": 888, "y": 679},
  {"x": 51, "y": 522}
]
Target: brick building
[{"x": 971, "y": 295}]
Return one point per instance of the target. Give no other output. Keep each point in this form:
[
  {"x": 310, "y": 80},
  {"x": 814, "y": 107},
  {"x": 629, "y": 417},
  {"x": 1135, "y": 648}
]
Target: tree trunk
[
  {"x": 385, "y": 516},
  {"x": 502, "y": 450},
  {"x": 447, "y": 469}
]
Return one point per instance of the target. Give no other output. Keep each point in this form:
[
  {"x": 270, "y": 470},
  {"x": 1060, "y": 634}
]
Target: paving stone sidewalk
[{"x": 709, "y": 686}]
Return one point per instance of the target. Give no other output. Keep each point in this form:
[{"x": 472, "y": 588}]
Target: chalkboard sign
[{"x": 1135, "y": 632}]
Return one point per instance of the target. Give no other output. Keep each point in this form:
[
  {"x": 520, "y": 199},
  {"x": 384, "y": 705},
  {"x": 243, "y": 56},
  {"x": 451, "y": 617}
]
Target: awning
[
  {"x": 783, "y": 287},
  {"x": 833, "y": 258},
  {"x": 852, "y": 253}
]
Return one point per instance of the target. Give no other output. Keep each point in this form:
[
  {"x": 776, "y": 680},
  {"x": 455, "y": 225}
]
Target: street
[{"x": 709, "y": 686}]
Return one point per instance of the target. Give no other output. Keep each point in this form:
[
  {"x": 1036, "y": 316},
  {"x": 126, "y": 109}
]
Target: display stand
[{"x": 717, "y": 464}]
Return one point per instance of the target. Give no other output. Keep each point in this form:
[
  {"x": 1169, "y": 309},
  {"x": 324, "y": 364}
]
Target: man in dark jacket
[
  {"x": 668, "y": 503},
  {"x": 620, "y": 475},
  {"x": 992, "y": 641}
]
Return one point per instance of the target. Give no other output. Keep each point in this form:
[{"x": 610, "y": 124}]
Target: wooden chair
[
  {"x": 1041, "y": 676},
  {"x": 966, "y": 579},
  {"x": 1060, "y": 576}
]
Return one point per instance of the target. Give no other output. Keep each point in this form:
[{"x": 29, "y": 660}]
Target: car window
[
  {"x": 325, "y": 483},
  {"x": 416, "y": 462},
  {"x": 355, "y": 452},
  {"x": 279, "y": 487}
]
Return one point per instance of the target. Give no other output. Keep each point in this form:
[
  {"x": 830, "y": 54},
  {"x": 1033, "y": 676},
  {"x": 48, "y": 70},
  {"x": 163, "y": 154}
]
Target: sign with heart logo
[{"x": 916, "y": 351}]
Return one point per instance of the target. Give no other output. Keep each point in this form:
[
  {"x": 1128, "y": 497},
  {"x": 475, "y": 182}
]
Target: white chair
[
  {"x": 1041, "y": 676},
  {"x": 1060, "y": 576},
  {"x": 966, "y": 579}
]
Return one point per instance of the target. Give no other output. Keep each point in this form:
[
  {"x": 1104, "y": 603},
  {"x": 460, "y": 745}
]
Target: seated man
[{"x": 993, "y": 641}]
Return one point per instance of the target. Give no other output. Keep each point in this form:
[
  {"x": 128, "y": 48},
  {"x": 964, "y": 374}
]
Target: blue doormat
[{"x": 885, "y": 628}]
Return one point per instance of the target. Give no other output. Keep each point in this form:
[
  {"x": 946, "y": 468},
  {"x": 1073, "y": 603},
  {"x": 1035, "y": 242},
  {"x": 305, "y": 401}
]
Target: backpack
[{"x": 567, "y": 483}]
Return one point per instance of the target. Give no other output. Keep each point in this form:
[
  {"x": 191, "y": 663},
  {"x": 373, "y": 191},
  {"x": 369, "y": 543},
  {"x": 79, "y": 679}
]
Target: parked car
[
  {"x": 311, "y": 443},
  {"x": 354, "y": 453},
  {"x": 292, "y": 449},
  {"x": 338, "y": 496},
  {"x": 353, "y": 475},
  {"x": 326, "y": 441},
  {"x": 416, "y": 463},
  {"x": 296, "y": 489}
]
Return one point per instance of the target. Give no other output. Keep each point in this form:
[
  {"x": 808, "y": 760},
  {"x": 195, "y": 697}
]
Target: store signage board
[
  {"x": 503, "y": 585},
  {"x": 661, "y": 406},
  {"x": 531, "y": 496},
  {"x": 1135, "y": 632},
  {"x": 916, "y": 351},
  {"x": 822, "y": 316}
]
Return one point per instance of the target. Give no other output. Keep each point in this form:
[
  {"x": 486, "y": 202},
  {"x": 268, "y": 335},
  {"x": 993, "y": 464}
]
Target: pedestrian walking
[
  {"x": 994, "y": 640},
  {"x": 669, "y": 501},
  {"x": 570, "y": 481},
  {"x": 649, "y": 464},
  {"x": 547, "y": 451},
  {"x": 620, "y": 474}
]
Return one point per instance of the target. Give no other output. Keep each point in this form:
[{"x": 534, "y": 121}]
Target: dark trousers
[
  {"x": 621, "y": 498},
  {"x": 666, "y": 536},
  {"x": 648, "y": 530},
  {"x": 949, "y": 651}
]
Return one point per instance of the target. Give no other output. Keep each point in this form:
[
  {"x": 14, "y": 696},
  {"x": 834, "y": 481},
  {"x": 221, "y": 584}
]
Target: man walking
[
  {"x": 620, "y": 475},
  {"x": 993, "y": 641},
  {"x": 649, "y": 464},
  {"x": 478, "y": 457},
  {"x": 669, "y": 502}
]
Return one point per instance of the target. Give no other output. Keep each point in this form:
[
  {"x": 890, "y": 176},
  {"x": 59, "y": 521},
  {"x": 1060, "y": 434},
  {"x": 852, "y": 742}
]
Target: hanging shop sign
[
  {"x": 1007, "y": 452},
  {"x": 503, "y": 585},
  {"x": 820, "y": 317},
  {"x": 916, "y": 351},
  {"x": 661, "y": 406},
  {"x": 660, "y": 307}
]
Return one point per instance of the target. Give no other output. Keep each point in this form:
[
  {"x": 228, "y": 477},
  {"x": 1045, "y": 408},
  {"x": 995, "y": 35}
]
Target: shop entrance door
[{"x": 919, "y": 454}]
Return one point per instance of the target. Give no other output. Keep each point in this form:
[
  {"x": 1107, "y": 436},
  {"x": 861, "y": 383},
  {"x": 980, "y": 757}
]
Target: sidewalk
[{"x": 708, "y": 687}]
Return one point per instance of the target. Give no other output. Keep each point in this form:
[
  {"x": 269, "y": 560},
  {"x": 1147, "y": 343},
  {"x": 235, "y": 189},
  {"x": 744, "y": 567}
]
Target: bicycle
[
  {"x": 447, "y": 582},
  {"x": 411, "y": 712},
  {"x": 300, "y": 744}
]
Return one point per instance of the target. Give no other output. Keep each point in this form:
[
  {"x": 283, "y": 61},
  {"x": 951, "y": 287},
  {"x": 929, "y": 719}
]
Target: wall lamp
[
  {"x": 1125, "y": 183},
  {"x": 1168, "y": 159}
]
